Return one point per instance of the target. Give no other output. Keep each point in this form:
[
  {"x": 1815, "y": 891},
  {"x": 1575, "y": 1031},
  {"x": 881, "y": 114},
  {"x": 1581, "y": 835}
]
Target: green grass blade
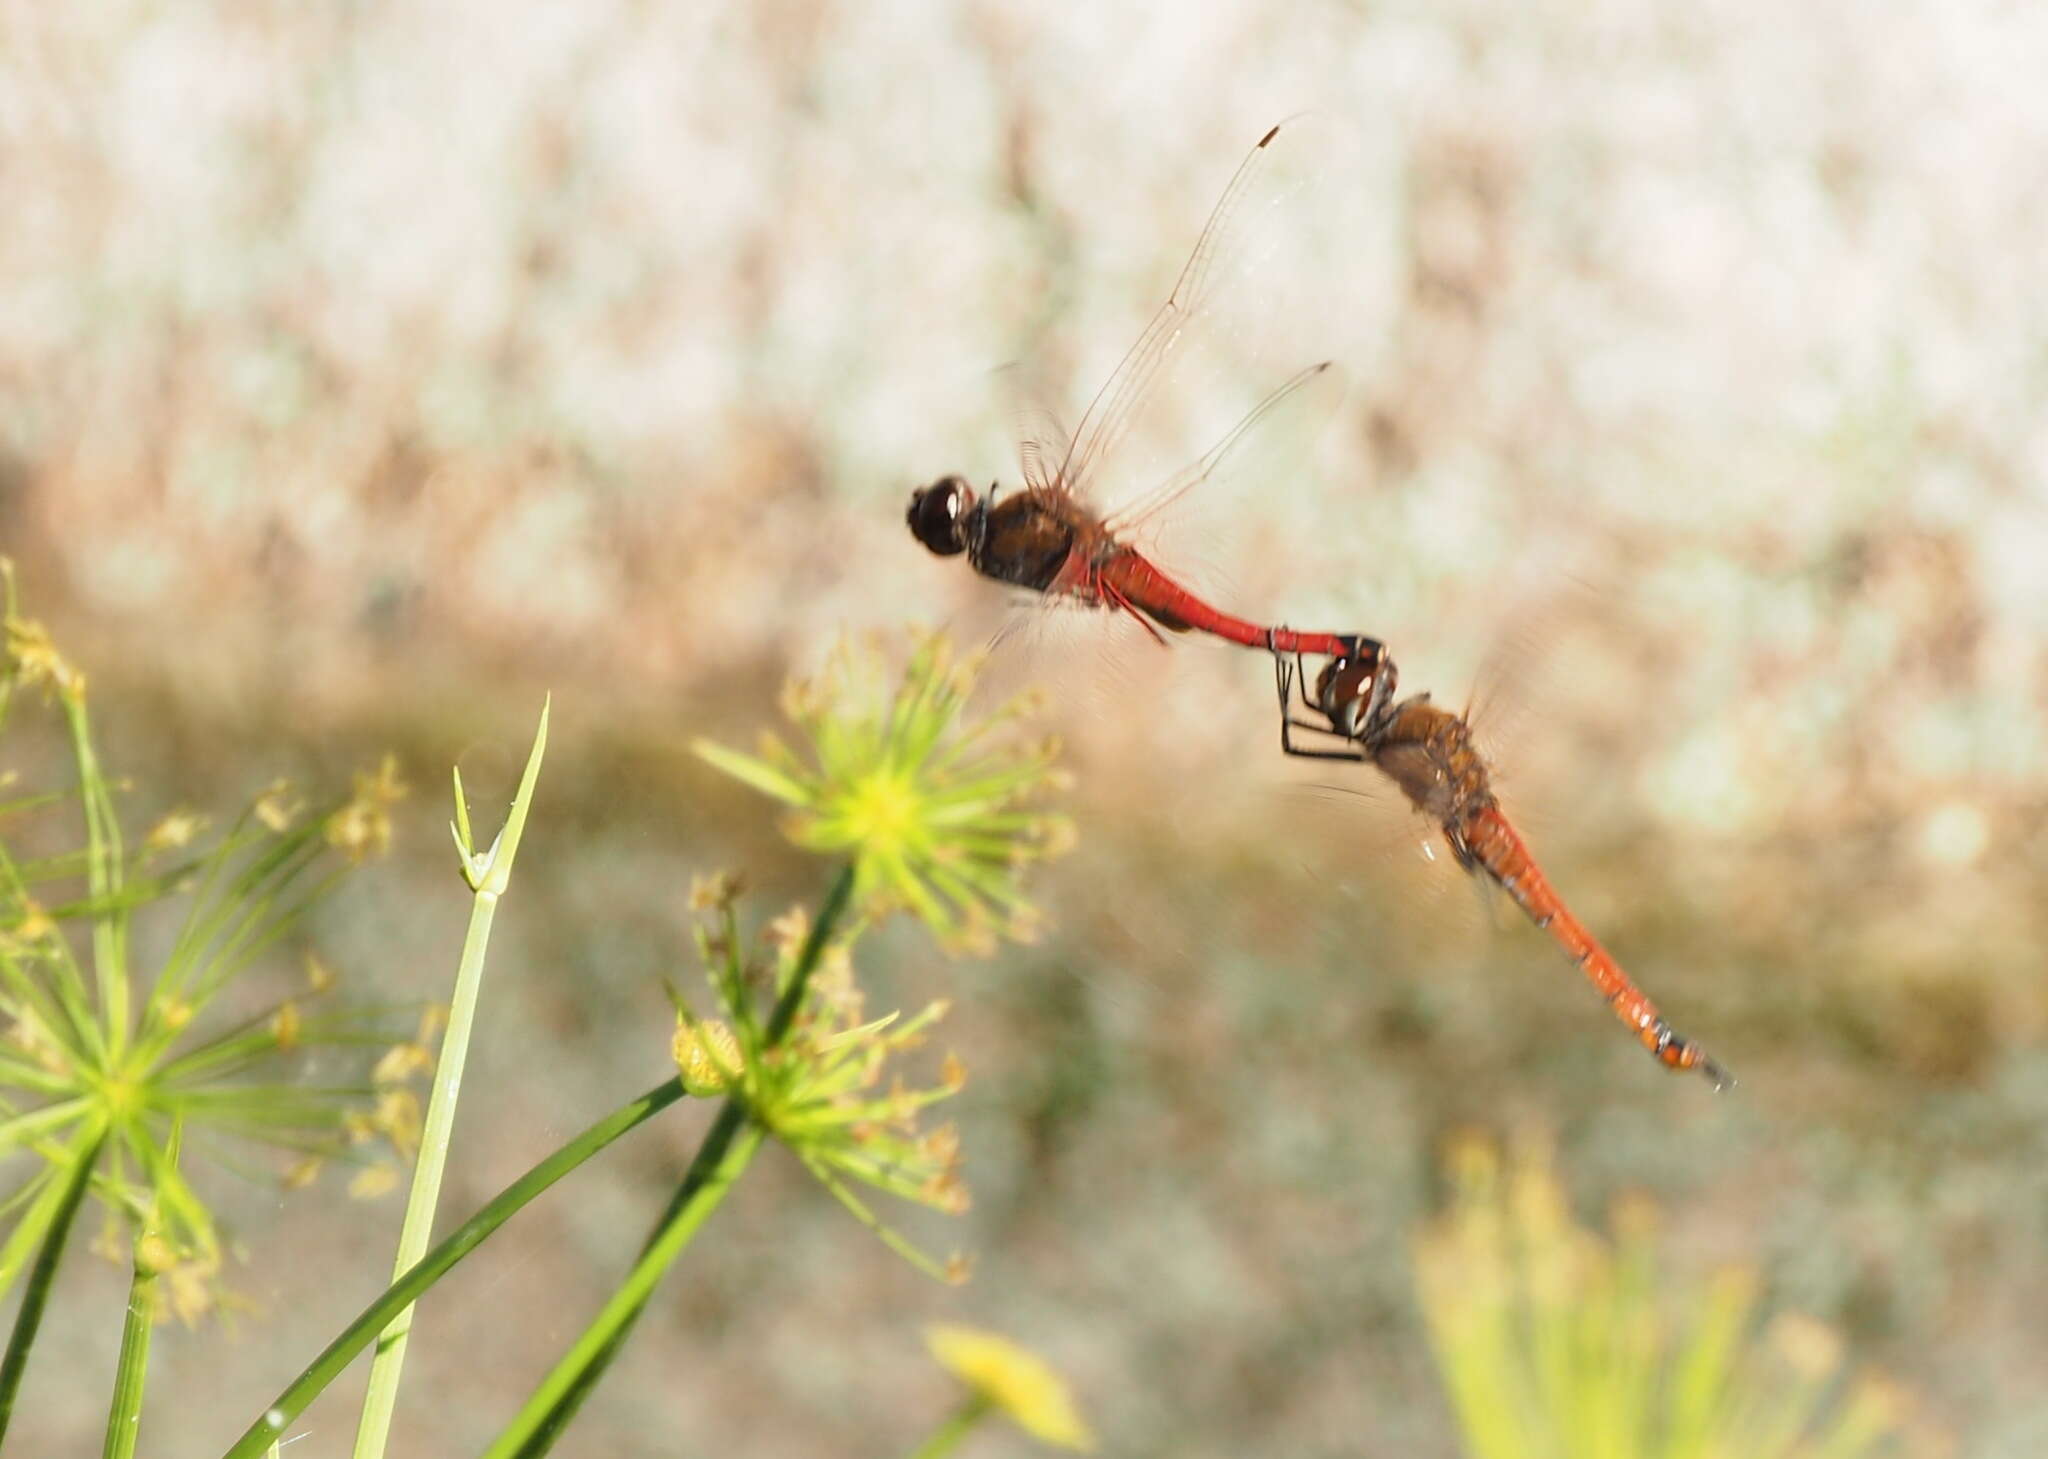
[
  {"x": 36, "y": 1296},
  {"x": 205, "y": 902},
  {"x": 103, "y": 880},
  {"x": 23, "y": 1077},
  {"x": 402, "y": 1293},
  {"x": 70, "y": 1016},
  {"x": 381, "y": 1399},
  {"x": 39, "y": 1198},
  {"x": 37, "y": 1124},
  {"x": 724, "y": 1154},
  {"x": 749, "y": 771},
  {"x": 260, "y": 925}
]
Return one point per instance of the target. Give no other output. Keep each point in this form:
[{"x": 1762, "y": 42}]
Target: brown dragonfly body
[{"x": 1428, "y": 752}]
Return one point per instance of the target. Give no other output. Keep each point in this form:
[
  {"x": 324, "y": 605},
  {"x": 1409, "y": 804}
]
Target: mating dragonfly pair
[{"x": 1046, "y": 538}]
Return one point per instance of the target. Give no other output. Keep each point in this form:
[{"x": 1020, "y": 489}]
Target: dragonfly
[
  {"x": 1048, "y": 538},
  {"x": 1429, "y": 753}
]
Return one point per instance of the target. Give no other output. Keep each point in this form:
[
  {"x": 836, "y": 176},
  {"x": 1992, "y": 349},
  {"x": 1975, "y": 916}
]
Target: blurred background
[{"x": 368, "y": 370}]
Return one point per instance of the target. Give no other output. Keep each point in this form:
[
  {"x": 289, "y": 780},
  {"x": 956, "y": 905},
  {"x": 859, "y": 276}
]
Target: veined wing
[
  {"x": 1239, "y": 236},
  {"x": 1041, "y": 437},
  {"x": 1309, "y": 391}
]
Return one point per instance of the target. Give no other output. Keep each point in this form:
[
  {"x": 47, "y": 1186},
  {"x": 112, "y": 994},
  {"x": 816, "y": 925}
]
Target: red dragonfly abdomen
[
  {"x": 1130, "y": 581},
  {"x": 1484, "y": 834}
]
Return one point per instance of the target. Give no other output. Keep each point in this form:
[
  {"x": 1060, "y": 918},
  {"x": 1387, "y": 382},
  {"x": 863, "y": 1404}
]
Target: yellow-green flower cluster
[
  {"x": 938, "y": 813},
  {"x": 113, "y": 1073},
  {"x": 1555, "y": 1342},
  {"x": 33, "y": 660},
  {"x": 826, "y": 1090}
]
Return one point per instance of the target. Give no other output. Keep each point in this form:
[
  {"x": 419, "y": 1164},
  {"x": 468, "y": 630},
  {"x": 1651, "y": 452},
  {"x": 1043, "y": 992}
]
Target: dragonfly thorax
[{"x": 1023, "y": 539}]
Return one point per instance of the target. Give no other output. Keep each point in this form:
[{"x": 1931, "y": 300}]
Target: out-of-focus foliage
[
  {"x": 1012, "y": 1381},
  {"x": 134, "y": 1070},
  {"x": 1557, "y": 1343}
]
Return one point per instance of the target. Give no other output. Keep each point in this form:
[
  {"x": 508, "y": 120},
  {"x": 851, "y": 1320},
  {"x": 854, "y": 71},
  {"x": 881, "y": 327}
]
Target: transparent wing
[
  {"x": 1227, "y": 524},
  {"x": 1243, "y": 239},
  {"x": 1036, "y": 455},
  {"x": 1041, "y": 438},
  {"x": 1356, "y": 831},
  {"x": 1310, "y": 396}
]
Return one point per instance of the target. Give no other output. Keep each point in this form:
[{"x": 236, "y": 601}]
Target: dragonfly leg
[
  {"x": 1288, "y": 747},
  {"x": 1119, "y": 600},
  {"x": 1283, "y": 681},
  {"x": 1285, "y": 676}
]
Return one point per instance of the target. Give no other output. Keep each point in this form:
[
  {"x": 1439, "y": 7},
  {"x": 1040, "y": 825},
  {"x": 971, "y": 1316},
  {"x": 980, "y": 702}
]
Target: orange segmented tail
[{"x": 1489, "y": 839}]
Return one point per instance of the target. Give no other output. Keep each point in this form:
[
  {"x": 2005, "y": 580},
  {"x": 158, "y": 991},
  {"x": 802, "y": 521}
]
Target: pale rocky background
[{"x": 366, "y": 370}]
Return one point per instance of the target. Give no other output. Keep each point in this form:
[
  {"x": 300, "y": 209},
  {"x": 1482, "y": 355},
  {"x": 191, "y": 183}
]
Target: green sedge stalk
[
  {"x": 488, "y": 875},
  {"x": 131, "y": 1370},
  {"x": 35, "y": 1296},
  {"x": 947, "y": 1436},
  {"x": 728, "y": 1147},
  {"x": 335, "y": 1358}
]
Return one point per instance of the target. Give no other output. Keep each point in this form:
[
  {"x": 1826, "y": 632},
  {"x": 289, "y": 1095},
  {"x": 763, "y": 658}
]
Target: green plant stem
[
  {"x": 946, "y": 1438},
  {"x": 31, "y": 1226},
  {"x": 124, "y": 1413},
  {"x": 727, "y": 1147},
  {"x": 338, "y": 1354},
  {"x": 807, "y": 960},
  {"x": 131, "y": 1371},
  {"x": 724, "y": 1154},
  {"x": 36, "y": 1295},
  {"x": 381, "y": 1398}
]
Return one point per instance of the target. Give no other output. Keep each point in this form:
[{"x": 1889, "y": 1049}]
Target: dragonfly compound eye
[
  {"x": 937, "y": 512},
  {"x": 1345, "y": 692}
]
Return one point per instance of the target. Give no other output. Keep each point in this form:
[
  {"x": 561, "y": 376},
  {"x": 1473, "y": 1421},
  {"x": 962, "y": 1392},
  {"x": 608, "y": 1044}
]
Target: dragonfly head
[
  {"x": 942, "y": 515},
  {"x": 1355, "y": 689}
]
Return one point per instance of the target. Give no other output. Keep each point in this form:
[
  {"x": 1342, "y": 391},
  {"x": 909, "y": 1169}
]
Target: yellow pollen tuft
[{"x": 882, "y": 810}]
